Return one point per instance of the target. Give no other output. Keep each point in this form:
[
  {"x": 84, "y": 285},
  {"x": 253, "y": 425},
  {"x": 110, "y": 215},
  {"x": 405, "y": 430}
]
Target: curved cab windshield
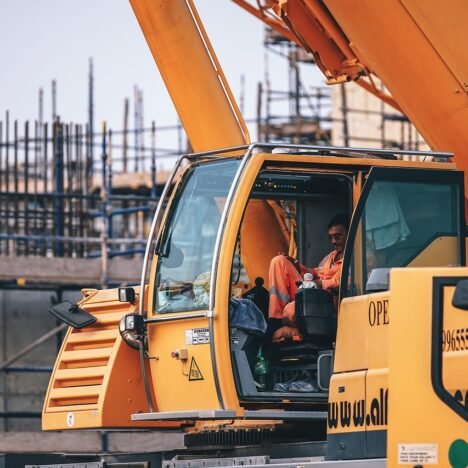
[{"x": 186, "y": 248}]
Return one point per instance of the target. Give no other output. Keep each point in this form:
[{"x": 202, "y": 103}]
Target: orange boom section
[
  {"x": 416, "y": 47},
  {"x": 96, "y": 373},
  {"x": 191, "y": 73}
]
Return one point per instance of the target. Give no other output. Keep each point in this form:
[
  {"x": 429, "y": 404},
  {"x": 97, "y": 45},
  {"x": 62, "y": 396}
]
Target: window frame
[
  {"x": 399, "y": 174},
  {"x": 174, "y": 204},
  {"x": 438, "y": 286}
]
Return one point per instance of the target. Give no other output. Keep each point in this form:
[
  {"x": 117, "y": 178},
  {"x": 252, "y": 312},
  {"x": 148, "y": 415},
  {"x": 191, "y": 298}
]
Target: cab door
[
  {"x": 405, "y": 218},
  {"x": 178, "y": 325}
]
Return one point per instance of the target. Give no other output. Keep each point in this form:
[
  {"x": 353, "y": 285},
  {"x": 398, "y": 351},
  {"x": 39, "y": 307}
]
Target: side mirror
[
  {"x": 127, "y": 295},
  {"x": 379, "y": 280},
  {"x": 460, "y": 297},
  {"x": 72, "y": 315},
  {"x": 132, "y": 329}
]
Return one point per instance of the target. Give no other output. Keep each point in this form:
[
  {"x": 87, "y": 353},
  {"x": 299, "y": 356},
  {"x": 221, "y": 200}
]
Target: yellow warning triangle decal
[{"x": 194, "y": 373}]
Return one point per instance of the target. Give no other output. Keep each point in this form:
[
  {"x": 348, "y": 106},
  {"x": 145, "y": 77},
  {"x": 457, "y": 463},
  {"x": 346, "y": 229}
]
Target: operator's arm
[
  {"x": 333, "y": 282},
  {"x": 328, "y": 275}
]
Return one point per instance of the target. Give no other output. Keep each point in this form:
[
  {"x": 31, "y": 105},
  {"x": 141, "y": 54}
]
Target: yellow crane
[{"x": 385, "y": 355}]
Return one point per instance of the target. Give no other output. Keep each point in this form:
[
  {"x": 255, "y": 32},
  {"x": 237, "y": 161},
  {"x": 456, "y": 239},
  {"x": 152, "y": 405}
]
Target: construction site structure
[
  {"x": 300, "y": 114},
  {"x": 69, "y": 220}
]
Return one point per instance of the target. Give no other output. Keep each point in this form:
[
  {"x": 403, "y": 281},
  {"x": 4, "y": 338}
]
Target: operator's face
[{"x": 337, "y": 236}]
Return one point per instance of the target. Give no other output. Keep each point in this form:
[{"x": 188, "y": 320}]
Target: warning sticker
[
  {"x": 194, "y": 373},
  {"x": 417, "y": 453},
  {"x": 197, "y": 336}
]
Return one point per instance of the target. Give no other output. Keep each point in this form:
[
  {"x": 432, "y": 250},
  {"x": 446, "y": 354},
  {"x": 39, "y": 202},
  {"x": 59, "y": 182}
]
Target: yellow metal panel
[
  {"x": 75, "y": 377},
  {"x": 438, "y": 249},
  {"x": 64, "y": 374},
  {"x": 365, "y": 347},
  {"x": 376, "y": 399},
  {"x": 93, "y": 336},
  {"x": 337, "y": 163},
  {"x": 56, "y": 417},
  {"x": 89, "y": 390},
  {"x": 346, "y": 407},
  {"x": 94, "y": 386},
  {"x": 257, "y": 246},
  {"x": 416, "y": 414},
  {"x": 176, "y": 387},
  {"x": 86, "y": 355},
  {"x": 445, "y": 28},
  {"x": 351, "y": 340},
  {"x": 378, "y": 318}
]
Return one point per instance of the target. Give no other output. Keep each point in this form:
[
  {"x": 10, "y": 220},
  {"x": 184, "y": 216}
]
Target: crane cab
[
  {"x": 228, "y": 218},
  {"x": 206, "y": 351}
]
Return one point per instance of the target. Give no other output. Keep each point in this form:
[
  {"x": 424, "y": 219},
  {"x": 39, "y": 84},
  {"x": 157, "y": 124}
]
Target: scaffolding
[
  {"x": 72, "y": 215},
  {"x": 341, "y": 115},
  {"x": 299, "y": 114}
]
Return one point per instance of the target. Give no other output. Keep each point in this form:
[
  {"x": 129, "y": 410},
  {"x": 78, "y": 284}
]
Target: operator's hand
[{"x": 294, "y": 261}]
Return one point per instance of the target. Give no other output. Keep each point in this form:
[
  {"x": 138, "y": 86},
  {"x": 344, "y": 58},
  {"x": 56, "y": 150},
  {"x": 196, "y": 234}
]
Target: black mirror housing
[
  {"x": 127, "y": 295},
  {"x": 460, "y": 297},
  {"x": 72, "y": 315}
]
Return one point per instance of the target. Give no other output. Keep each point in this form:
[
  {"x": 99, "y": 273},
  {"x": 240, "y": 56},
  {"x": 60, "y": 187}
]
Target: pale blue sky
[{"x": 46, "y": 39}]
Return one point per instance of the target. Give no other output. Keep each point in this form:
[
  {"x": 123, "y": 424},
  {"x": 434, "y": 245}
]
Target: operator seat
[{"x": 315, "y": 315}]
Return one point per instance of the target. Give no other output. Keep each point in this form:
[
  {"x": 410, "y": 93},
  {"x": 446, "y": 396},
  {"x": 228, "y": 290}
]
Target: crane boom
[
  {"x": 192, "y": 74},
  {"x": 415, "y": 47}
]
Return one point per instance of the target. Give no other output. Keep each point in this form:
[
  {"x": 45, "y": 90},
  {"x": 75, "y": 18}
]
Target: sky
[{"x": 43, "y": 40}]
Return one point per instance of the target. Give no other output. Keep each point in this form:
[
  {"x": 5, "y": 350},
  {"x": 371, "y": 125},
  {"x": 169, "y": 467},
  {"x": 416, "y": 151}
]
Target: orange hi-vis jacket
[{"x": 284, "y": 275}]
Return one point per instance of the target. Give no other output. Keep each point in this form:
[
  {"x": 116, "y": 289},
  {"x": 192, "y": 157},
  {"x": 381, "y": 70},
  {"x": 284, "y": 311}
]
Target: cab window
[
  {"x": 404, "y": 224},
  {"x": 185, "y": 254}
]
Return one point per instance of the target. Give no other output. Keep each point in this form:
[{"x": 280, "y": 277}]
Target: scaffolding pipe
[
  {"x": 106, "y": 219},
  {"x": 32, "y": 346}
]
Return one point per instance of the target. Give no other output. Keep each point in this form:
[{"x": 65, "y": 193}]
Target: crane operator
[{"x": 285, "y": 274}]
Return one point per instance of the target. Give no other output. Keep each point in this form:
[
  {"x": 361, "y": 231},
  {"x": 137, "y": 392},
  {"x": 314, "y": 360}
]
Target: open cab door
[{"x": 180, "y": 325}]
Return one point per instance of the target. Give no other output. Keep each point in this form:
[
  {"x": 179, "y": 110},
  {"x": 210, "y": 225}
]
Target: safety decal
[
  {"x": 417, "y": 453},
  {"x": 194, "y": 373},
  {"x": 197, "y": 336}
]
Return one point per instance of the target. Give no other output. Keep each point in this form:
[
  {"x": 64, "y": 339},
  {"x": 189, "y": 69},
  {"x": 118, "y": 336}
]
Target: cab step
[{"x": 231, "y": 414}]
